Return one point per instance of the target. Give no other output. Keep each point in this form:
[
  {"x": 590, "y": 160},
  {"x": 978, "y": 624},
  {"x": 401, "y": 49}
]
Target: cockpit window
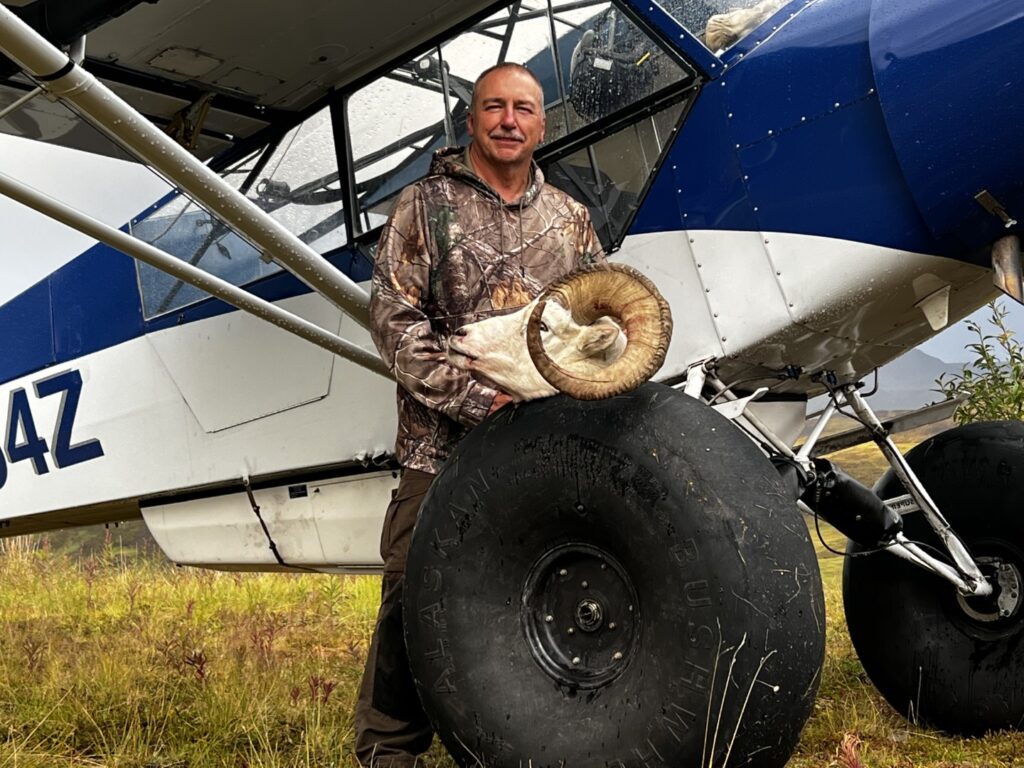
[
  {"x": 592, "y": 61},
  {"x": 609, "y": 175},
  {"x": 719, "y": 24},
  {"x": 294, "y": 180},
  {"x": 395, "y": 124}
]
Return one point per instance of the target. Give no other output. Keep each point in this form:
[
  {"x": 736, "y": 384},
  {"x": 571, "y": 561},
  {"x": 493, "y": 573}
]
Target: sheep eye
[{"x": 543, "y": 327}]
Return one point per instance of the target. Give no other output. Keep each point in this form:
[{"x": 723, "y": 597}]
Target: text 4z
[{"x": 22, "y": 441}]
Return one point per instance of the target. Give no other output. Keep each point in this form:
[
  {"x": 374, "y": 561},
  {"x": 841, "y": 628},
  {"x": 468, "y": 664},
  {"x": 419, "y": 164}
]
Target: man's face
[{"x": 507, "y": 121}]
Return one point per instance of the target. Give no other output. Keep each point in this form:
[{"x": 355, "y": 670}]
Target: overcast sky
[{"x": 32, "y": 246}]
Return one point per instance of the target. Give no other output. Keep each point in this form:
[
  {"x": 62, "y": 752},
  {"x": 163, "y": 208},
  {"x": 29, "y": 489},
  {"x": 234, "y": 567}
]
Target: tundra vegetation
[
  {"x": 993, "y": 382},
  {"x": 115, "y": 658}
]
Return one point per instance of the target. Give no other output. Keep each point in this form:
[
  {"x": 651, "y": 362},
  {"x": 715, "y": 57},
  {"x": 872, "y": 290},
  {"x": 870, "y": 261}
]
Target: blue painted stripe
[
  {"x": 89, "y": 304},
  {"x": 26, "y": 327},
  {"x": 92, "y": 303}
]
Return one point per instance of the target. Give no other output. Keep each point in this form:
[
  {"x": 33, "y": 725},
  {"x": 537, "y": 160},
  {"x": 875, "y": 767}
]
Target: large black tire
[
  {"x": 686, "y": 614},
  {"x": 948, "y": 663}
]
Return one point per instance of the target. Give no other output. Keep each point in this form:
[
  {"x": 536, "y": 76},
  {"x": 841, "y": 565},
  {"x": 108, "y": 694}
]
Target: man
[{"x": 481, "y": 235}]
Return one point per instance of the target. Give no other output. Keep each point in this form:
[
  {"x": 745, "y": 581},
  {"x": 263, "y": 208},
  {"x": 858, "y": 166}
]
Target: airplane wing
[{"x": 213, "y": 74}]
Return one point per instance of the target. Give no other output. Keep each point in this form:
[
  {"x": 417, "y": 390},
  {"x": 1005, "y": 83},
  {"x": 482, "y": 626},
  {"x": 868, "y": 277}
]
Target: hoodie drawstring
[{"x": 522, "y": 240}]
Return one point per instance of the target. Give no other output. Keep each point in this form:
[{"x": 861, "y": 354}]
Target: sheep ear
[{"x": 598, "y": 337}]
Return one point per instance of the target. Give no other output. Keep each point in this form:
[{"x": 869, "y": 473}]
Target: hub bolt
[
  {"x": 617, "y": 656},
  {"x": 575, "y": 659},
  {"x": 572, "y": 631},
  {"x": 549, "y": 618},
  {"x": 563, "y": 572},
  {"x": 585, "y": 584},
  {"x": 611, "y": 625}
]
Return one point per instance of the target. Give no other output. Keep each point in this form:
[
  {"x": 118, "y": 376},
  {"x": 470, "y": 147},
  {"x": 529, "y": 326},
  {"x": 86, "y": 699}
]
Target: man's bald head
[{"x": 508, "y": 65}]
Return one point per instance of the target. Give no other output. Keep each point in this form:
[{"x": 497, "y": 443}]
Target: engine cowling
[{"x": 950, "y": 79}]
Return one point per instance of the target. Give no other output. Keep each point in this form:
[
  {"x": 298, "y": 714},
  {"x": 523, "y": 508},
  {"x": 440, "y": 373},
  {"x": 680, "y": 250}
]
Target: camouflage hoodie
[{"x": 452, "y": 253}]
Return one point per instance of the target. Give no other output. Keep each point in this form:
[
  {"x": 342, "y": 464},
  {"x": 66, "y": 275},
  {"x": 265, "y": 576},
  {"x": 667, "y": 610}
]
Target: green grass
[{"x": 111, "y": 660}]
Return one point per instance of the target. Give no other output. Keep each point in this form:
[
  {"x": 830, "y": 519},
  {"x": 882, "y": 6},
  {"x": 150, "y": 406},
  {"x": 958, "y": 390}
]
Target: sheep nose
[{"x": 459, "y": 332}]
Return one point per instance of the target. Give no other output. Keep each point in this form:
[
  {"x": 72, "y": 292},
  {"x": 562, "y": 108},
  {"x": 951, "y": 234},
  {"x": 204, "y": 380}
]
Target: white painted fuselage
[{"x": 188, "y": 415}]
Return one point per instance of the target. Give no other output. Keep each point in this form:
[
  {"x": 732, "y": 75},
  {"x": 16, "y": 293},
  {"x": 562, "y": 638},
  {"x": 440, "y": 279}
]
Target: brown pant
[{"x": 391, "y": 727}]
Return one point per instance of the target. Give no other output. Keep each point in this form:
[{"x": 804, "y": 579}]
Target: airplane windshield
[{"x": 591, "y": 59}]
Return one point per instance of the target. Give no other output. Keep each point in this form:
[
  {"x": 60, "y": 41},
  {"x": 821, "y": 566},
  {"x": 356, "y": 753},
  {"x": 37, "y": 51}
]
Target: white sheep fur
[{"x": 494, "y": 349}]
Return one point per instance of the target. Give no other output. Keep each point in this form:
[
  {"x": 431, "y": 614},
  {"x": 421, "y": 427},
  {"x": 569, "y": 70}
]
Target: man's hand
[{"x": 500, "y": 401}]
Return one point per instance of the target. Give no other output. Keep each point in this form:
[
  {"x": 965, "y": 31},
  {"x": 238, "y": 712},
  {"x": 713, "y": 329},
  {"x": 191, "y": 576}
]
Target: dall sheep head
[{"x": 598, "y": 332}]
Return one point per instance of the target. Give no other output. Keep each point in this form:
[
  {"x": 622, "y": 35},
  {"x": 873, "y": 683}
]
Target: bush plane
[{"x": 815, "y": 186}]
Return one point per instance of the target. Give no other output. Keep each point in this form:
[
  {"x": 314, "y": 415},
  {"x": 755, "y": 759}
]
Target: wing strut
[
  {"x": 182, "y": 270},
  {"x": 61, "y": 77}
]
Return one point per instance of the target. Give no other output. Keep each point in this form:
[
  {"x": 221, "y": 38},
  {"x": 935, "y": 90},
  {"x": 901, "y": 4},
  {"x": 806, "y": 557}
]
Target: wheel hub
[
  {"x": 580, "y": 615},
  {"x": 589, "y": 615},
  {"x": 1006, "y": 598}
]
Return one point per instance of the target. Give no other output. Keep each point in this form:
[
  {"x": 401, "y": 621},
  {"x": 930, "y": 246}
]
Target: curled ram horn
[{"x": 625, "y": 295}]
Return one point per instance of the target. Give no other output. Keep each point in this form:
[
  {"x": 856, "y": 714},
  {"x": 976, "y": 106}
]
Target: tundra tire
[{"x": 616, "y": 582}]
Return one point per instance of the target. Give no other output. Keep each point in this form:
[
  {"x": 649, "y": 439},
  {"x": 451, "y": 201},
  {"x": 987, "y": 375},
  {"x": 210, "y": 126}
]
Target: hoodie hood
[{"x": 454, "y": 162}]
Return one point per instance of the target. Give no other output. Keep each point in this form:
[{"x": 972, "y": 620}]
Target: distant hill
[{"x": 909, "y": 382}]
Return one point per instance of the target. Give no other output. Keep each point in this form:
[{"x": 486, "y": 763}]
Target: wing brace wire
[{"x": 63, "y": 79}]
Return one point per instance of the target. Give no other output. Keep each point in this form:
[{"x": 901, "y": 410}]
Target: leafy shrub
[{"x": 994, "y": 382}]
